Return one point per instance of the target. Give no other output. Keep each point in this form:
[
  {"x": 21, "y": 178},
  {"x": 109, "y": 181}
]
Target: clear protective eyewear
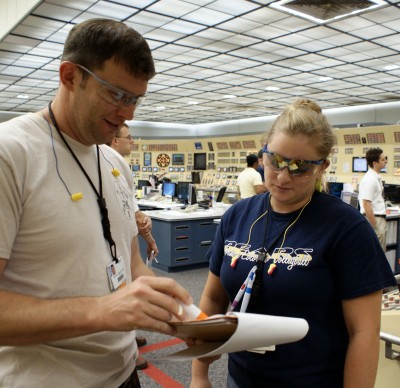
[
  {"x": 129, "y": 137},
  {"x": 112, "y": 94},
  {"x": 296, "y": 167}
]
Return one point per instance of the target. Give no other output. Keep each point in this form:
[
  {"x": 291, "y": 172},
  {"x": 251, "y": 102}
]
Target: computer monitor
[
  {"x": 182, "y": 191},
  {"x": 168, "y": 189},
  {"x": 350, "y": 198},
  {"x": 143, "y": 183},
  {"x": 192, "y": 195},
  {"x": 335, "y": 188},
  {"x": 391, "y": 193},
  {"x": 200, "y": 161},
  {"x": 359, "y": 164}
]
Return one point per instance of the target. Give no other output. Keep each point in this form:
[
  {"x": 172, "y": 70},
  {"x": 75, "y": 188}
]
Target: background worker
[
  {"x": 372, "y": 203},
  {"x": 67, "y": 218},
  {"x": 122, "y": 143},
  {"x": 249, "y": 181},
  {"x": 260, "y": 167}
]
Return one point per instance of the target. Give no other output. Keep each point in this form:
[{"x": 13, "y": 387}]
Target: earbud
[
  {"x": 234, "y": 261},
  {"x": 115, "y": 172},
  {"x": 271, "y": 269},
  {"x": 77, "y": 196}
]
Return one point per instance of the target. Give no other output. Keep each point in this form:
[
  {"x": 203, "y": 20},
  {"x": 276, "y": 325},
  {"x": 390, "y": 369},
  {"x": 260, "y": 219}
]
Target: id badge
[{"x": 116, "y": 274}]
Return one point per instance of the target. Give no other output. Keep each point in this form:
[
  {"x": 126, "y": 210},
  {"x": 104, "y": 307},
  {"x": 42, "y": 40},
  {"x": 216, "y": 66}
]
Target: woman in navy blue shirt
[{"x": 315, "y": 258}]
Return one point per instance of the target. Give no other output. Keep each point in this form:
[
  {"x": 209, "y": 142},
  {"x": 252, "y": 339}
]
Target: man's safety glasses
[
  {"x": 112, "y": 94},
  {"x": 296, "y": 167}
]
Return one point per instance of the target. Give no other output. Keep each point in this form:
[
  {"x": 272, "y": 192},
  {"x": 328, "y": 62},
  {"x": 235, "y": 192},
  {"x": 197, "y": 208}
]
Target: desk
[
  {"x": 183, "y": 239},
  {"x": 145, "y": 204}
]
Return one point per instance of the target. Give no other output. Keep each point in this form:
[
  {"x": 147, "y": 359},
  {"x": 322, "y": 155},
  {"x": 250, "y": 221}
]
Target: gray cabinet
[{"x": 181, "y": 242}]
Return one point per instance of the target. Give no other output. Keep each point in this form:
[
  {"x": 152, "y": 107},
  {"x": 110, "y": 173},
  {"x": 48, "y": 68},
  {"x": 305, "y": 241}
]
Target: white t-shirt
[
  {"x": 247, "y": 179},
  {"x": 371, "y": 189},
  {"x": 55, "y": 249}
]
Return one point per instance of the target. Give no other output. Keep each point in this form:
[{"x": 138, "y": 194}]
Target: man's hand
[
  {"x": 143, "y": 223},
  {"x": 146, "y": 303}
]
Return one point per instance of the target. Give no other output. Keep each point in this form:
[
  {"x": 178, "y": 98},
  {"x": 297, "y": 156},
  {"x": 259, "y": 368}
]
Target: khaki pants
[{"x": 380, "y": 230}]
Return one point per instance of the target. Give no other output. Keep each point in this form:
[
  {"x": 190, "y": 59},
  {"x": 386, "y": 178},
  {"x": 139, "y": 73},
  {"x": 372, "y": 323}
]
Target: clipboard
[{"x": 237, "y": 332}]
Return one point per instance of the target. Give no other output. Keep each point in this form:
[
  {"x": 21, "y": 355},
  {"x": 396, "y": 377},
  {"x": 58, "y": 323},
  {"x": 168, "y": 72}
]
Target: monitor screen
[
  {"x": 200, "y": 161},
  {"x": 168, "y": 189},
  {"x": 335, "y": 188},
  {"x": 143, "y": 183},
  {"x": 198, "y": 145},
  {"x": 391, "y": 193},
  {"x": 178, "y": 159},
  {"x": 359, "y": 164},
  {"x": 350, "y": 198},
  {"x": 182, "y": 191},
  {"x": 192, "y": 195}
]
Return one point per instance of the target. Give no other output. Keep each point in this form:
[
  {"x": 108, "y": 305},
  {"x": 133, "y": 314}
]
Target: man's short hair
[
  {"x": 373, "y": 155},
  {"x": 94, "y": 41},
  {"x": 251, "y": 159}
]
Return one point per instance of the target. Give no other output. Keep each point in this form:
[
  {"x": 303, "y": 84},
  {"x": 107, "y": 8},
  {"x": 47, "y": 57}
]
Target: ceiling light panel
[
  {"x": 183, "y": 27},
  {"x": 164, "y": 35},
  {"x": 112, "y": 10},
  {"x": 207, "y": 16},
  {"x": 55, "y": 12},
  {"x": 173, "y": 8},
  {"x": 240, "y": 27},
  {"x": 150, "y": 19},
  {"x": 237, "y": 7},
  {"x": 372, "y": 32},
  {"x": 80, "y": 5},
  {"x": 314, "y": 45}
]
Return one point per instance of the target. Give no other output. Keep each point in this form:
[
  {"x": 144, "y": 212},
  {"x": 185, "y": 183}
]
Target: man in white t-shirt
[
  {"x": 249, "y": 180},
  {"x": 370, "y": 197},
  {"x": 73, "y": 285}
]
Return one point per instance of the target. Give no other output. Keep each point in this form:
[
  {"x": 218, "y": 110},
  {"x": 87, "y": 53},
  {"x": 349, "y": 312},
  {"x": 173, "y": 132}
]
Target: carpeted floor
[{"x": 176, "y": 374}]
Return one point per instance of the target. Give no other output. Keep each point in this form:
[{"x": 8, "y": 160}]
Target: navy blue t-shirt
[{"x": 329, "y": 254}]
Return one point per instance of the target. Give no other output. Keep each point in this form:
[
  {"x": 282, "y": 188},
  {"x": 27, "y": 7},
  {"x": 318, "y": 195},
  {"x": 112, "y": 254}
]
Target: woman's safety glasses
[{"x": 296, "y": 167}]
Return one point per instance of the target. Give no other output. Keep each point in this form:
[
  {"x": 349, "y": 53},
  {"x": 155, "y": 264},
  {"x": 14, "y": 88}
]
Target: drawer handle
[
  {"x": 206, "y": 223},
  {"x": 181, "y": 248},
  {"x": 203, "y": 243},
  {"x": 182, "y": 227},
  {"x": 183, "y": 259},
  {"x": 181, "y": 238}
]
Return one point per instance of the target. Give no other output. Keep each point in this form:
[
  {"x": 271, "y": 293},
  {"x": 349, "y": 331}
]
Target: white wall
[{"x": 387, "y": 113}]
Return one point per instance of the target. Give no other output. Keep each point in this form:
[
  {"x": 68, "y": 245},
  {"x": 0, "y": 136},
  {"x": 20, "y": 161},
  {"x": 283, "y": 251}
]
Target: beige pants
[{"x": 380, "y": 230}]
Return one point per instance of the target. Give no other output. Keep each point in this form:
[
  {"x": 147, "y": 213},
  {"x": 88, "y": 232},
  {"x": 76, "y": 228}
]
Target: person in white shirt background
[
  {"x": 372, "y": 203},
  {"x": 249, "y": 180}
]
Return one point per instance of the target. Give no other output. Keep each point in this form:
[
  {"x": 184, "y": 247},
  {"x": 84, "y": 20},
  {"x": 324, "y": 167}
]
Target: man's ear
[{"x": 68, "y": 74}]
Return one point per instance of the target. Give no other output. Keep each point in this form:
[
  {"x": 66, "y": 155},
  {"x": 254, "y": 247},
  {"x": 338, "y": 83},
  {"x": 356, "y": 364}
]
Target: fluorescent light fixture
[
  {"x": 161, "y": 107},
  {"x": 23, "y": 96},
  {"x": 271, "y": 88},
  {"x": 230, "y": 96},
  {"x": 391, "y": 67},
  {"x": 193, "y": 102},
  {"x": 323, "y": 79},
  {"x": 326, "y": 10}
]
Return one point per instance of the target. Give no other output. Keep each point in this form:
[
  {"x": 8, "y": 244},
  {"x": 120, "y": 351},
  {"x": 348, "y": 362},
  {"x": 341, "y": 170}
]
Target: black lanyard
[{"x": 105, "y": 222}]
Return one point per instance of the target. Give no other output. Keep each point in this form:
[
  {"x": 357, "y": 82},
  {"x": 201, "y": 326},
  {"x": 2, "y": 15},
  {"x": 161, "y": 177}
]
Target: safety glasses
[
  {"x": 296, "y": 167},
  {"x": 112, "y": 94}
]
